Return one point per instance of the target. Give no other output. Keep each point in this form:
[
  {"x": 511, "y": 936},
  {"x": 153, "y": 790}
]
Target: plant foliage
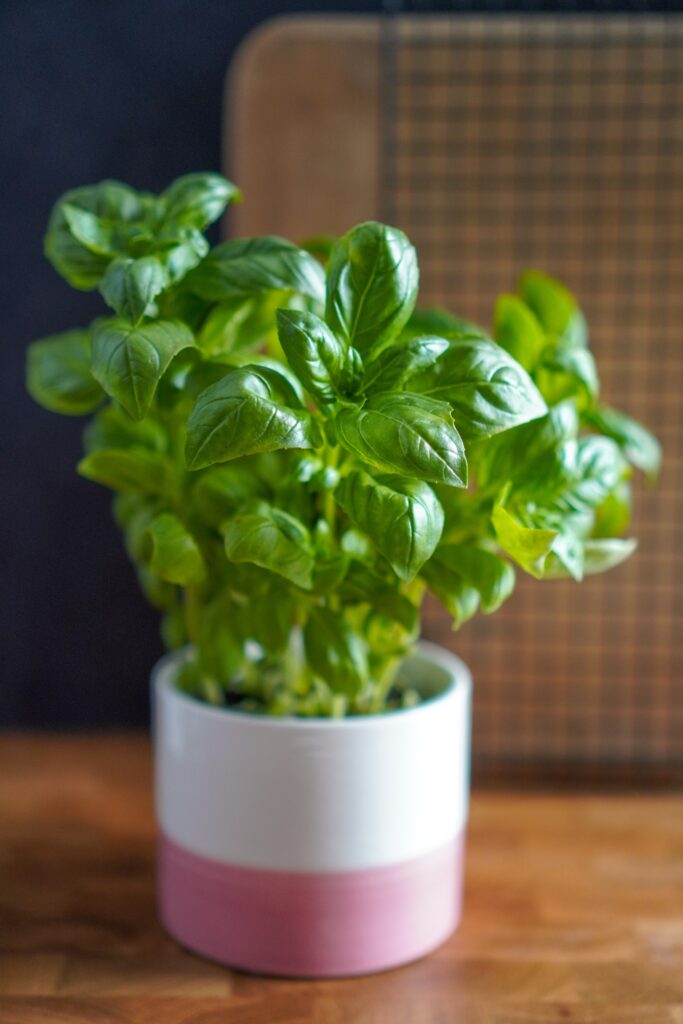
[{"x": 298, "y": 454}]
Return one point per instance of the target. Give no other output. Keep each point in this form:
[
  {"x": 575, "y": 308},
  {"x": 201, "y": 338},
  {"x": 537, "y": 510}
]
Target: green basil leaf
[
  {"x": 243, "y": 266},
  {"x": 173, "y": 627},
  {"x": 330, "y": 570},
  {"x": 251, "y": 409},
  {"x": 402, "y": 517},
  {"x": 282, "y": 372},
  {"x": 492, "y": 576},
  {"x": 335, "y": 652},
  {"x": 134, "y": 512},
  {"x": 568, "y": 554},
  {"x": 274, "y": 540},
  {"x": 406, "y": 434},
  {"x": 183, "y": 305},
  {"x": 269, "y": 616},
  {"x": 604, "y": 554},
  {"x": 220, "y": 647},
  {"x": 188, "y": 250},
  {"x": 561, "y": 424},
  {"x": 362, "y": 585},
  {"x": 554, "y": 306},
  {"x": 398, "y": 609},
  {"x": 315, "y": 354},
  {"x": 554, "y": 501},
  {"x": 387, "y": 638},
  {"x": 111, "y": 203},
  {"x": 221, "y": 330},
  {"x": 613, "y": 516},
  {"x": 596, "y": 469},
  {"x": 80, "y": 267},
  {"x": 352, "y": 372},
  {"x": 543, "y": 480},
  {"x": 113, "y": 428},
  {"x": 219, "y": 491},
  {"x": 161, "y": 595},
  {"x": 130, "y": 361},
  {"x": 639, "y": 446},
  {"x": 597, "y": 556},
  {"x": 488, "y": 391},
  {"x": 129, "y": 508},
  {"x": 137, "y": 471},
  {"x": 195, "y": 379},
  {"x": 529, "y": 547},
  {"x": 198, "y": 199},
  {"x": 398, "y": 363},
  {"x": 566, "y": 372},
  {"x": 372, "y": 281},
  {"x": 95, "y": 234},
  {"x": 534, "y": 456},
  {"x": 439, "y": 322},
  {"x": 519, "y": 332},
  {"x": 466, "y": 513},
  {"x": 58, "y": 374},
  {"x": 459, "y": 597},
  {"x": 364, "y": 578},
  {"x": 130, "y": 286},
  {"x": 174, "y": 554}
]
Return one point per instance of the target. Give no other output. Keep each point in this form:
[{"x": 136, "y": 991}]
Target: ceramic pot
[{"x": 314, "y": 847}]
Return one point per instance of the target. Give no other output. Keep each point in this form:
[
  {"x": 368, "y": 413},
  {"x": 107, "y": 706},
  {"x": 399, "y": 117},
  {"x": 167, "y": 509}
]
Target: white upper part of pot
[{"x": 314, "y": 795}]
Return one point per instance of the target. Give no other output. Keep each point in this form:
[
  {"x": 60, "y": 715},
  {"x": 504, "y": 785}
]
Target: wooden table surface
[{"x": 574, "y": 911}]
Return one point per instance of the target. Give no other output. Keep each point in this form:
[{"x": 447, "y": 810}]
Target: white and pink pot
[{"x": 314, "y": 847}]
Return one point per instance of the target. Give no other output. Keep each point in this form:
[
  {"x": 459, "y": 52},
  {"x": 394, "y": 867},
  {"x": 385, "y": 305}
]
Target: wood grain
[{"x": 574, "y": 912}]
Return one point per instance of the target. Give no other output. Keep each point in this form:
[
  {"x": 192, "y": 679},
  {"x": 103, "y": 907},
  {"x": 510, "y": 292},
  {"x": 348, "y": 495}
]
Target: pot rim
[{"x": 459, "y": 674}]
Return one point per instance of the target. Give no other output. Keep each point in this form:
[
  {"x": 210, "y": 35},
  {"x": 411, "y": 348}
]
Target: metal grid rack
[{"x": 557, "y": 142}]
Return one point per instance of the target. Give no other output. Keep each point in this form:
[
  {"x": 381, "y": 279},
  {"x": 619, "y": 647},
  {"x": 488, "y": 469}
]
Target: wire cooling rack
[{"x": 556, "y": 142}]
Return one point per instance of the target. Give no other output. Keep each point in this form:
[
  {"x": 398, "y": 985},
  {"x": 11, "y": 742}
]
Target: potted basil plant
[{"x": 298, "y": 455}]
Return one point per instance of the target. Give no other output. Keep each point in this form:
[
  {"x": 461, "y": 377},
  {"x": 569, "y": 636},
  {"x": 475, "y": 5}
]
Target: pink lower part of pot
[{"x": 311, "y": 924}]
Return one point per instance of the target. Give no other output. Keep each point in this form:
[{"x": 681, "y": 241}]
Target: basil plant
[{"x": 298, "y": 454}]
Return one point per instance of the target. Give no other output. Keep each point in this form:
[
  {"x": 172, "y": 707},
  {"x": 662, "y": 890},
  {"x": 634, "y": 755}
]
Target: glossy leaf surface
[
  {"x": 372, "y": 282},
  {"x": 314, "y": 352},
  {"x": 129, "y": 361},
  {"x": 406, "y": 434},
  {"x": 402, "y": 517},
  {"x": 487, "y": 390},
  {"x": 251, "y": 409},
  {"x": 274, "y": 540},
  {"x": 246, "y": 266}
]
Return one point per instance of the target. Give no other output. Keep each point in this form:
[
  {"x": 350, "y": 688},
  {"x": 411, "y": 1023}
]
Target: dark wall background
[{"x": 128, "y": 89}]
